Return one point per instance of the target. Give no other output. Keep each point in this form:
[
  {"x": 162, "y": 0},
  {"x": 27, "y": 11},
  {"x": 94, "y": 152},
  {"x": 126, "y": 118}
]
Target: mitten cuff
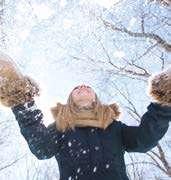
[{"x": 160, "y": 109}]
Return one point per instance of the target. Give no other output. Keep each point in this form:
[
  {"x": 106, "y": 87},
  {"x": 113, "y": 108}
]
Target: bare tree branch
[
  {"x": 158, "y": 159},
  {"x": 163, "y": 43},
  {"x": 12, "y": 163},
  {"x": 164, "y": 160}
]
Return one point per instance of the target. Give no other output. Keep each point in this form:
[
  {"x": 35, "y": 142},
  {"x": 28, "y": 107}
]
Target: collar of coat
[{"x": 101, "y": 116}]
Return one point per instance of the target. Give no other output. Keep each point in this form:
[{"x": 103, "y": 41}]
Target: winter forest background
[{"x": 111, "y": 45}]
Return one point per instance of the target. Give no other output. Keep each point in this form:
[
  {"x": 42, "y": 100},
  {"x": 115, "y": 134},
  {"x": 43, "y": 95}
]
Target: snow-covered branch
[{"x": 163, "y": 43}]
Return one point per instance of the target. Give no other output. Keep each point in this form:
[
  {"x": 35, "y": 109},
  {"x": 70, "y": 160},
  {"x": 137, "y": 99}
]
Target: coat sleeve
[
  {"x": 43, "y": 141},
  {"x": 153, "y": 126}
]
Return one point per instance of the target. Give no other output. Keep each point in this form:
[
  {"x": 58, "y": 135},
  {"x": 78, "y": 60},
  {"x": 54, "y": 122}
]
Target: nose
[{"x": 82, "y": 86}]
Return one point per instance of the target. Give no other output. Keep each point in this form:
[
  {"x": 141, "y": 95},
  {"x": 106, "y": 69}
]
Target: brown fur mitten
[
  {"x": 160, "y": 87},
  {"x": 15, "y": 88}
]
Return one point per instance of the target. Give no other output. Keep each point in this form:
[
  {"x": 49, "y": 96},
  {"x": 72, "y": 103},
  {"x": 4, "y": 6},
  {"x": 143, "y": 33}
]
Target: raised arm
[
  {"x": 18, "y": 92},
  {"x": 155, "y": 122},
  {"x": 43, "y": 142},
  {"x": 153, "y": 126}
]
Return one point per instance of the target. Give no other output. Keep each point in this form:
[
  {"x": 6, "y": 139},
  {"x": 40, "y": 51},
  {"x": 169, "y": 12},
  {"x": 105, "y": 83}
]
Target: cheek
[
  {"x": 74, "y": 94},
  {"x": 93, "y": 95}
]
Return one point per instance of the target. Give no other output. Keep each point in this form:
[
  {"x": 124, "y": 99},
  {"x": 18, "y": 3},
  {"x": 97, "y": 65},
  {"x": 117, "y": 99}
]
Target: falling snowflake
[
  {"x": 63, "y": 135},
  {"x": 96, "y": 148},
  {"x": 78, "y": 170},
  {"x": 63, "y": 3},
  {"x": 95, "y": 169},
  {"x": 42, "y": 11},
  {"x": 107, "y": 166},
  {"x": 69, "y": 144},
  {"x": 119, "y": 54},
  {"x": 84, "y": 152},
  {"x": 92, "y": 130}
]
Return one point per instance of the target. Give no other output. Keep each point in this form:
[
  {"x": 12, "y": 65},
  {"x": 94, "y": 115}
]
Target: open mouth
[{"x": 83, "y": 90}]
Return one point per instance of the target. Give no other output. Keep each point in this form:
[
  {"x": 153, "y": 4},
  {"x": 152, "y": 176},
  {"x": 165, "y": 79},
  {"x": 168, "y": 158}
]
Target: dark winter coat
[{"x": 91, "y": 153}]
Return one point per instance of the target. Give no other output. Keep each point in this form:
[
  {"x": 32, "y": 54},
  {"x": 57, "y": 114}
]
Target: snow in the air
[
  {"x": 94, "y": 169},
  {"x": 78, "y": 170},
  {"x": 107, "y": 166},
  {"x": 84, "y": 152},
  {"x": 69, "y": 144},
  {"x": 63, "y": 43},
  {"x": 96, "y": 148}
]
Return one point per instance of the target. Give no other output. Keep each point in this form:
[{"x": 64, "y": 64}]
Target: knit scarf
[{"x": 69, "y": 116}]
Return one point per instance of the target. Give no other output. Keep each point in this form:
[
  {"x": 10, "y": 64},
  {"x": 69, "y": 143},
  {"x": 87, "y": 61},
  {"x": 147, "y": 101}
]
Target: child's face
[{"x": 83, "y": 95}]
